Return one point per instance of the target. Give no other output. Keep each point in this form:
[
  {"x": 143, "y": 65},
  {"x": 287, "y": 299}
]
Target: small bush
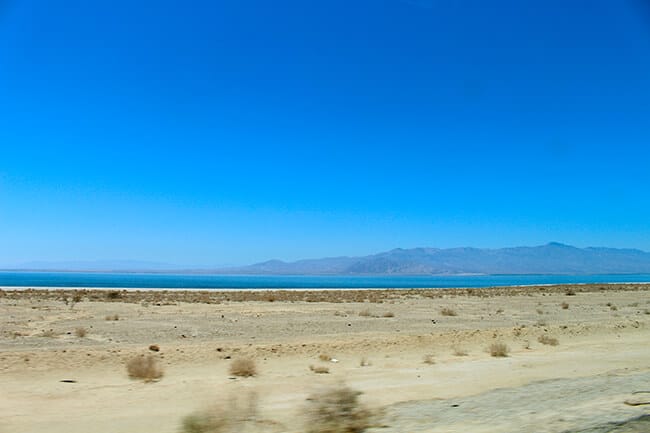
[
  {"x": 499, "y": 350},
  {"x": 459, "y": 352},
  {"x": 540, "y": 311},
  {"x": 549, "y": 341},
  {"x": 49, "y": 333},
  {"x": 447, "y": 312},
  {"x": 80, "y": 332},
  {"x": 235, "y": 415},
  {"x": 113, "y": 317},
  {"x": 388, "y": 314},
  {"x": 365, "y": 362},
  {"x": 243, "y": 367},
  {"x": 319, "y": 370},
  {"x": 570, "y": 292},
  {"x": 428, "y": 359},
  {"x": 337, "y": 410},
  {"x": 113, "y": 294},
  {"x": 144, "y": 367},
  {"x": 365, "y": 313},
  {"x": 565, "y": 305},
  {"x": 324, "y": 357}
]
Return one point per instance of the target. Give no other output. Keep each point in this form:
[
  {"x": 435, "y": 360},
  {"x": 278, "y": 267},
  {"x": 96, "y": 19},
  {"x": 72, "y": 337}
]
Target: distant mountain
[{"x": 553, "y": 258}]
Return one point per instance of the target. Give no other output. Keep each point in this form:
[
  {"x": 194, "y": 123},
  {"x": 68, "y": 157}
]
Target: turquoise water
[{"x": 188, "y": 281}]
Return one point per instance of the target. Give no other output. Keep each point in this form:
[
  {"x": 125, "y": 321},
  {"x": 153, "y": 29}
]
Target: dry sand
[{"x": 581, "y": 384}]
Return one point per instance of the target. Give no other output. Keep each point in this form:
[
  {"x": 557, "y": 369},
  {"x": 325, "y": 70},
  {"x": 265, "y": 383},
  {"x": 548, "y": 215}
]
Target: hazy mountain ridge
[{"x": 552, "y": 258}]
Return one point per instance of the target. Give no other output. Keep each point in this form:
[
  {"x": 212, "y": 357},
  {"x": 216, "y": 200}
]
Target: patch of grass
[
  {"x": 498, "y": 350},
  {"x": 337, "y": 410},
  {"x": 80, "y": 332},
  {"x": 447, "y": 312},
  {"x": 145, "y": 368},
  {"x": 243, "y": 367},
  {"x": 549, "y": 341}
]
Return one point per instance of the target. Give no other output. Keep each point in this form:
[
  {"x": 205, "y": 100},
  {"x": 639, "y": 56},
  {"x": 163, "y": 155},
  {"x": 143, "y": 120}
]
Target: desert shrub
[
  {"x": 319, "y": 369},
  {"x": 565, "y": 305},
  {"x": 447, "y": 312},
  {"x": 365, "y": 362},
  {"x": 243, "y": 367},
  {"x": 49, "y": 333},
  {"x": 231, "y": 417},
  {"x": 337, "y": 410},
  {"x": 80, "y": 332},
  {"x": 570, "y": 292},
  {"x": 324, "y": 357},
  {"x": 113, "y": 317},
  {"x": 428, "y": 359},
  {"x": 540, "y": 311},
  {"x": 550, "y": 341},
  {"x": 365, "y": 313},
  {"x": 459, "y": 352},
  {"x": 113, "y": 294},
  {"x": 499, "y": 350},
  {"x": 144, "y": 367},
  {"x": 388, "y": 314}
]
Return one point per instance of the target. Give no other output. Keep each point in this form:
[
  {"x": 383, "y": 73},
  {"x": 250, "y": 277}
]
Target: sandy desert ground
[{"x": 420, "y": 358}]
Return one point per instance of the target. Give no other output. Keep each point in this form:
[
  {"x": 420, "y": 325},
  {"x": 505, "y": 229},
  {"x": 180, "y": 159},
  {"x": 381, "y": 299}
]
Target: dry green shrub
[
  {"x": 144, "y": 367},
  {"x": 447, "y": 312},
  {"x": 319, "y": 369},
  {"x": 80, "y": 332},
  {"x": 337, "y": 410},
  {"x": 499, "y": 350},
  {"x": 549, "y": 341},
  {"x": 243, "y": 367}
]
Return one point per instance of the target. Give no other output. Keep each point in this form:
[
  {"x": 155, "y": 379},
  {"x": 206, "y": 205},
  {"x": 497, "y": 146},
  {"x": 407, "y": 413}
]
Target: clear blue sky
[{"x": 228, "y": 132}]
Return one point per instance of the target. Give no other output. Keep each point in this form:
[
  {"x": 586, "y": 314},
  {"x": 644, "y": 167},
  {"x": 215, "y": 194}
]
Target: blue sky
[{"x": 228, "y": 132}]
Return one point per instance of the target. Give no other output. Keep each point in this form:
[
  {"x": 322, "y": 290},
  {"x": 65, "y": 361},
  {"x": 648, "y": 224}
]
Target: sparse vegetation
[
  {"x": 324, "y": 357},
  {"x": 337, "y": 410},
  {"x": 447, "y": 312},
  {"x": 540, "y": 311},
  {"x": 365, "y": 313},
  {"x": 499, "y": 350},
  {"x": 565, "y": 305},
  {"x": 113, "y": 294},
  {"x": 429, "y": 359},
  {"x": 49, "y": 333},
  {"x": 80, "y": 332},
  {"x": 112, "y": 317},
  {"x": 230, "y": 417},
  {"x": 549, "y": 341},
  {"x": 243, "y": 367},
  {"x": 365, "y": 362},
  {"x": 319, "y": 369},
  {"x": 388, "y": 314},
  {"x": 144, "y": 367},
  {"x": 460, "y": 352}
]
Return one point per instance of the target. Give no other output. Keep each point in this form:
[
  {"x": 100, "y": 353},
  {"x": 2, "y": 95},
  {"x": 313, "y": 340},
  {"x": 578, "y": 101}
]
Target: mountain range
[{"x": 552, "y": 258}]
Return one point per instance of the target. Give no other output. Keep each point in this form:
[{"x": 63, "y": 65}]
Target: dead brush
[
  {"x": 145, "y": 368},
  {"x": 80, "y": 332},
  {"x": 549, "y": 341},
  {"x": 498, "y": 350},
  {"x": 243, "y": 367},
  {"x": 365, "y": 313},
  {"x": 233, "y": 416},
  {"x": 337, "y": 410},
  {"x": 319, "y": 369},
  {"x": 447, "y": 312}
]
